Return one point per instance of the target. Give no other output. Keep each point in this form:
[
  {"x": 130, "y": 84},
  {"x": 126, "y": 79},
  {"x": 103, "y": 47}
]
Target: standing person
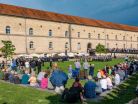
[
  {"x": 39, "y": 65},
  {"x": 32, "y": 65},
  {"x": 86, "y": 67},
  {"x": 27, "y": 65},
  {"x": 77, "y": 65},
  {"x": 50, "y": 63},
  {"x": 13, "y": 64},
  {"x": 70, "y": 71},
  {"x": 91, "y": 71}
]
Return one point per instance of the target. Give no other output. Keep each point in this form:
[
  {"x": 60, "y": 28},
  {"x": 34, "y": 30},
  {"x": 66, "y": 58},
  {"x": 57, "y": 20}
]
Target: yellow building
[{"x": 35, "y": 31}]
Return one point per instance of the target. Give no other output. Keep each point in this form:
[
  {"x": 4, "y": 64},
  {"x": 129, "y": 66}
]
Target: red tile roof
[{"x": 50, "y": 16}]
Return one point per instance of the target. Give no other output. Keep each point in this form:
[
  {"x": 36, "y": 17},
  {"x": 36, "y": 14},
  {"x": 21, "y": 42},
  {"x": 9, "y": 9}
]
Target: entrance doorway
[{"x": 89, "y": 49}]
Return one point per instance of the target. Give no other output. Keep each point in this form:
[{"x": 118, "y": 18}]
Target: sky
[{"x": 117, "y": 11}]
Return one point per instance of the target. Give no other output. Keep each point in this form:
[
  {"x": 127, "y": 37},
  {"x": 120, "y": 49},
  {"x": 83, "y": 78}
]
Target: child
[
  {"x": 33, "y": 81},
  {"x": 44, "y": 82},
  {"x": 70, "y": 71}
]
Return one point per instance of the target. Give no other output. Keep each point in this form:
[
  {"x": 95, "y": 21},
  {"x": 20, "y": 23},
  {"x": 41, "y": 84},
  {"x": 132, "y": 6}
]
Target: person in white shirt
[
  {"x": 103, "y": 83},
  {"x": 99, "y": 76},
  {"x": 109, "y": 83},
  {"x": 77, "y": 65},
  {"x": 27, "y": 65},
  {"x": 85, "y": 67},
  {"x": 117, "y": 79}
]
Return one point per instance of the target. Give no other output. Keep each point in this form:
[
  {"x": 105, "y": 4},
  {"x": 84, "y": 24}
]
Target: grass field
[{"x": 14, "y": 94}]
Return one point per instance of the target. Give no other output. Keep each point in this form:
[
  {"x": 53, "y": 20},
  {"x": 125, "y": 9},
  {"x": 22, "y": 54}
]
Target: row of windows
[
  {"x": 31, "y": 45},
  {"x": 8, "y": 31},
  {"x": 31, "y": 32}
]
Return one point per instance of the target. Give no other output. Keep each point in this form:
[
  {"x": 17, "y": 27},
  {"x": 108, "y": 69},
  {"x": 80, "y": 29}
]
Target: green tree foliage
[
  {"x": 100, "y": 48},
  {"x": 8, "y": 49}
]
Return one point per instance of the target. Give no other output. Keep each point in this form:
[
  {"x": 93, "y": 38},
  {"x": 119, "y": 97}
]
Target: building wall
[{"x": 20, "y": 37}]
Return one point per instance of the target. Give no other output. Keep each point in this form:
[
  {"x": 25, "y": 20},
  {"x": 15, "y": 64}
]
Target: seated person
[
  {"x": 33, "y": 81},
  {"x": 44, "y": 82},
  {"x": 11, "y": 77},
  {"x": 89, "y": 88},
  {"x": 74, "y": 94},
  {"x": 40, "y": 76},
  {"x": 103, "y": 83},
  {"x": 25, "y": 78},
  {"x": 109, "y": 82},
  {"x": 98, "y": 86},
  {"x": 117, "y": 79},
  {"x": 16, "y": 78}
]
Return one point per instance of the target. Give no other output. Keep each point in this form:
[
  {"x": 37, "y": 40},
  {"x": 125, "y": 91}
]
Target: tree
[
  {"x": 100, "y": 48},
  {"x": 7, "y": 50}
]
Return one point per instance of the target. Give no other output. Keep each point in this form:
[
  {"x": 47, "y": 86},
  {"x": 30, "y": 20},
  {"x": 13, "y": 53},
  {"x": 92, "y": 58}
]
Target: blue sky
[{"x": 117, "y": 11}]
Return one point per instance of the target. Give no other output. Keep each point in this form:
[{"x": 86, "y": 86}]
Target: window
[
  {"x": 50, "y": 45},
  {"x": 66, "y": 45},
  {"x": 30, "y": 31},
  {"x": 89, "y": 35},
  {"x": 50, "y": 33},
  {"x": 131, "y": 38},
  {"x": 8, "y": 30},
  {"x": 107, "y": 37},
  {"x": 124, "y": 38},
  {"x": 31, "y": 45},
  {"x": 79, "y": 46},
  {"x": 78, "y": 34},
  {"x": 116, "y": 37},
  {"x": 98, "y": 36},
  {"x": 66, "y": 33}
]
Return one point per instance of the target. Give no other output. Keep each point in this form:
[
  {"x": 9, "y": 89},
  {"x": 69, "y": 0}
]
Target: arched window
[
  {"x": 8, "y": 30},
  {"x": 50, "y": 33},
  {"x": 30, "y": 31},
  {"x": 78, "y": 46},
  {"x": 78, "y": 34},
  {"x": 131, "y": 38},
  {"x": 66, "y": 45},
  {"x": 50, "y": 45},
  {"x": 31, "y": 45},
  {"x": 66, "y": 33}
]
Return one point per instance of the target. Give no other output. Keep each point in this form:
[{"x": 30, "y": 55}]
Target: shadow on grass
[{"x": 123, "y": 93}]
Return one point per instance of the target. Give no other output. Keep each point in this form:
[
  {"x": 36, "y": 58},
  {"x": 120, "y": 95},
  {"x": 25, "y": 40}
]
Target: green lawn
[{"x": 14, "y": 94}]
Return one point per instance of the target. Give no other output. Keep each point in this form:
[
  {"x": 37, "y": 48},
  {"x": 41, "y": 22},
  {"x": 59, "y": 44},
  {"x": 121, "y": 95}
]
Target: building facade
[{"x": 35, "y": 31}]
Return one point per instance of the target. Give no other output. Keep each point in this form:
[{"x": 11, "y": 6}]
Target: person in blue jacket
[{"x": 89, "y": 88}]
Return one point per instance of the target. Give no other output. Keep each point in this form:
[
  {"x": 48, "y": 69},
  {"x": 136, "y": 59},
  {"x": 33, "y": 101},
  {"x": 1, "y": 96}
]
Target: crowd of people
[{"x": 24, "y": 72}]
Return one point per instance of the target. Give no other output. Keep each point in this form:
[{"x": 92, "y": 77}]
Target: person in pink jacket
[{"x": 44, "y": 82}]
